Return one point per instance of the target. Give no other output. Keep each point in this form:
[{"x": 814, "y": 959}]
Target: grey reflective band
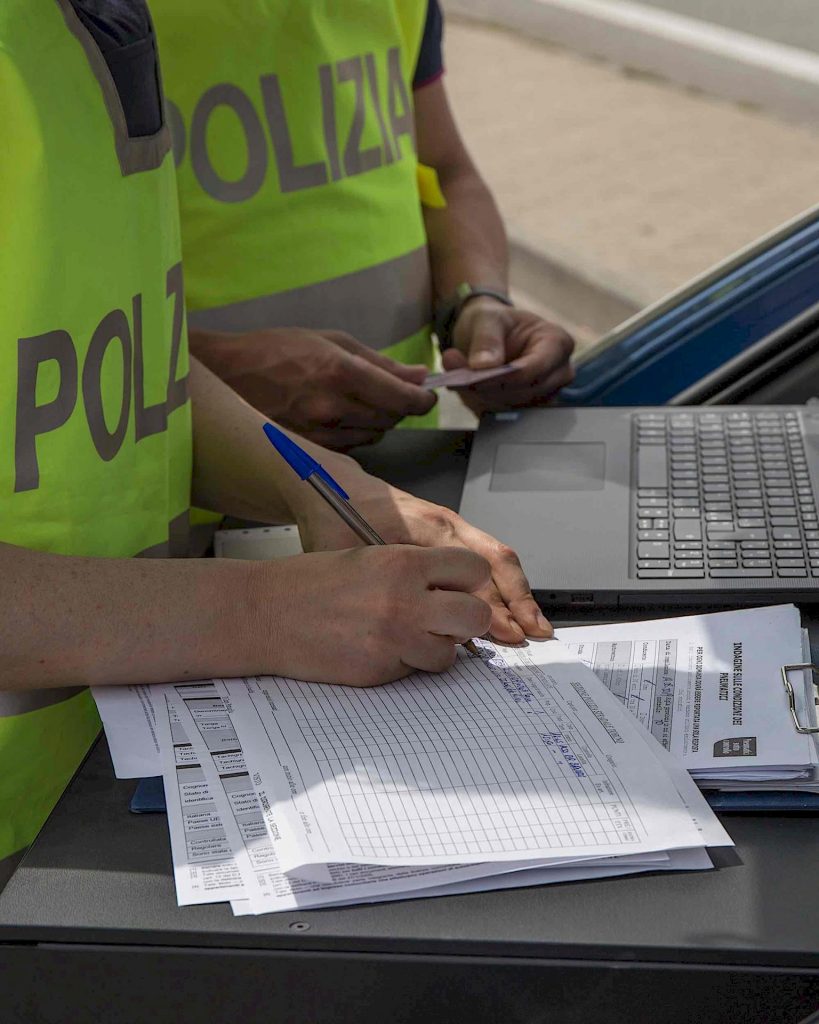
[
  {"x": 14, "y": 702},
  {"x": 144, "y": 153},
  {"x": 379, "y": 306},
  {"x": 176, "y": 123}
]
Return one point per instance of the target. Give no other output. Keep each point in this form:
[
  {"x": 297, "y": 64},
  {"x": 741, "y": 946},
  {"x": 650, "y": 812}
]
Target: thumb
[{"x": 486, "y": 342}]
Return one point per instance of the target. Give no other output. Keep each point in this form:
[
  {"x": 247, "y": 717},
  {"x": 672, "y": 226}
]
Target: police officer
[
  {"x": 103, "y": 451},
  {"x": 307, "y": 138}
]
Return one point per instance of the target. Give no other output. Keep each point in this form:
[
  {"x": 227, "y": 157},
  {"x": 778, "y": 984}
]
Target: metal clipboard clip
[{"x": 791, "y": 697}]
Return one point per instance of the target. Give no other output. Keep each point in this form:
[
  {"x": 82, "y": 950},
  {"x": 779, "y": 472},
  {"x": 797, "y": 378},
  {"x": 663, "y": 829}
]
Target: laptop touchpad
[{"x": 549, "y": 467}]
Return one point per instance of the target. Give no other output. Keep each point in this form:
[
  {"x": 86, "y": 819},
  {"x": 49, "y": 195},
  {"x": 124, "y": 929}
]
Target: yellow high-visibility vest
[
  {"x": 293, "y": 131},
  {"x": 96, "y": 453}
]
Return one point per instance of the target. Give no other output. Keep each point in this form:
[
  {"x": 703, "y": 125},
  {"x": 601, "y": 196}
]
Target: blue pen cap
[{"x": 298, "y": 459}]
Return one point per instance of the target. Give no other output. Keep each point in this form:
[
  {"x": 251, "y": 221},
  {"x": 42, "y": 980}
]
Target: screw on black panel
[{"x": 299, "y": 926}]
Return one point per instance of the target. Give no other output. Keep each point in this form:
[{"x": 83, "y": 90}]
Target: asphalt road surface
[{"x": 795, "y": 22}]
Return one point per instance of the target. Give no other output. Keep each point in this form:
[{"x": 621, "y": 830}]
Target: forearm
[
  {"x": 234, "y": 468},
  {"x": 467, "y": 240},
  {"x": 237, "y": 472},
  {"x": 83, "y": 621}
]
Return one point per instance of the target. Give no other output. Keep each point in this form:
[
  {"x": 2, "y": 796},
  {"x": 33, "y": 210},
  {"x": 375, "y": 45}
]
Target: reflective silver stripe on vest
[
  {"x": 379, "y": 306},
  {"x": 14, "y": 703}
]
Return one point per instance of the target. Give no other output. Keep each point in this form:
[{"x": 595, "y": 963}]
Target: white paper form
[
  {"x": 205, "y": 867},
  {"x": 712, "y": 833},
  {"x": 201, "y": 719},
  {"x": 502, "y": 758},
  {"x": 678, "y": 860},
  {"x": 708, "y": 687},
  {"x": 128, "y": 715}
]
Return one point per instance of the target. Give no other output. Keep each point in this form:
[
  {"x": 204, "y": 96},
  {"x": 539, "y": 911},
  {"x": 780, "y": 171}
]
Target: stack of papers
[
  {"x": 517, "y": 767},
  {"x": 709, "y": 688}
]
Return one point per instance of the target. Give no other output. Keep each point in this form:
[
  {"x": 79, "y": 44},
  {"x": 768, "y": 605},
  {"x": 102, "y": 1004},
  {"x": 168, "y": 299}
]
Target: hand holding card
[{"x": 464, "y": 377}]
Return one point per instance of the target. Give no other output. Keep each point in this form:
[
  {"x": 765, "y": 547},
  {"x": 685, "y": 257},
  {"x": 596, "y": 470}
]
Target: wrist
[
  {"x": 449, "y": 311},
  {"x": 314, "y": 516},
  {"x": 478, "y": 304}
]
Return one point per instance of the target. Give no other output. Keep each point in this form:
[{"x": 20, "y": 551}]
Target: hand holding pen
[{"x": 333, "y": 494}]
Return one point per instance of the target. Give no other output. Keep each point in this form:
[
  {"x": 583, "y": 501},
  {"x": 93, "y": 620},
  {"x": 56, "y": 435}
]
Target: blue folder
[
  {"x": 766, "y": 802},
  {"x": 149, "y": 798}
]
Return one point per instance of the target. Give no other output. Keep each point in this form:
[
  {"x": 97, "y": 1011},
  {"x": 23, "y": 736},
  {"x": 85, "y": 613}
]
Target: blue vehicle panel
[{"x": 681, "y": 345}]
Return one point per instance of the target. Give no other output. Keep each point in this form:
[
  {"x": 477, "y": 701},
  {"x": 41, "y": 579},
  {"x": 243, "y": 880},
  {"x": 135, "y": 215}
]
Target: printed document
[
  {"x": 206, "y": 869},
  {"x": 129, "y": 717},
  {"x": 519, "y": 754},
  {"x": 197, "y": 713},
  {"x": 708, "y": 687},
  {"x": 218, "y": 756}
]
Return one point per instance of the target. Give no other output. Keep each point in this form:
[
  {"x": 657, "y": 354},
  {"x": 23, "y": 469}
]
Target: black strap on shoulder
[{"x": 122, "y": 31}]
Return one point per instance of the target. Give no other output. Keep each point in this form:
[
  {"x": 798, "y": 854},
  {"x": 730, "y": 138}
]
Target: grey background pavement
[
  {"x": 631, "y": 180},
  {"x": 793, "y": 22},
  {"x": 628, "y": 184}
]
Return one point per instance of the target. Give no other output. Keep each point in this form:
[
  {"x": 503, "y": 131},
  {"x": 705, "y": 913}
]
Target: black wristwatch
[{"x": 447, "y": 313}]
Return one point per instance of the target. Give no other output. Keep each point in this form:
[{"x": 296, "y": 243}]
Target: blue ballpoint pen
[{"x": 332, "y": 492}]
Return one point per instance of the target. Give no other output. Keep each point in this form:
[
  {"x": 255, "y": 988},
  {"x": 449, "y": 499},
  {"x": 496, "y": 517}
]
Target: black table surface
[{"x": 99, "y": 874}]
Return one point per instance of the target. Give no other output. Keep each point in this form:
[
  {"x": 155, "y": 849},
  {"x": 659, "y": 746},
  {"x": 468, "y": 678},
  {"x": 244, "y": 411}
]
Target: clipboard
[
  {"x": 771, "y": 801},
  {"x": 800, "y": 727}
]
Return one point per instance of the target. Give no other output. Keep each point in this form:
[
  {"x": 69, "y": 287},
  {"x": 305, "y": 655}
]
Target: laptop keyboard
[{"x": 723, "y": 495}]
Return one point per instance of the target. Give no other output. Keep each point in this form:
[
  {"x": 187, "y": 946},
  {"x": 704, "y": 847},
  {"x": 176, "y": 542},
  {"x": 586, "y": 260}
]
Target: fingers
[
  {"x": 487, "y": 345},
  {"x": 415, "y": 373},
  {"x": 502, "y": 625},
  {"x": 375, "y": 387},
  {"x": 544, "y": 351},
  {"x": 412, "y": 373},
  {"x": 456, "y": 568},
  {"x": 513, "y": 590},
  {"x": 453, "y": 359},
  {"x": 430, "y": 653},
  {"x": 535, "y": 381},
  {"x": 456, "y": 615},
  {"x": 539, "y": 392}
]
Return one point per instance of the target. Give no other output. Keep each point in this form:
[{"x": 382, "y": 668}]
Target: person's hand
[
  {"x": 369, "y": 615},
  {"x": 324, "y": 385},
  {"x": 401, "y": 518},
  {"x": 488, "y": 333}
]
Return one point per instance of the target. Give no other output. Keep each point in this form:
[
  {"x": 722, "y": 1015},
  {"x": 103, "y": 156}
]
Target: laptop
[{"x": 628, "y": 507}]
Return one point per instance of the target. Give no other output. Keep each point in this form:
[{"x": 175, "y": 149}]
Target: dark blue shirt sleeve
[{"x": 430, "y": 64}]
